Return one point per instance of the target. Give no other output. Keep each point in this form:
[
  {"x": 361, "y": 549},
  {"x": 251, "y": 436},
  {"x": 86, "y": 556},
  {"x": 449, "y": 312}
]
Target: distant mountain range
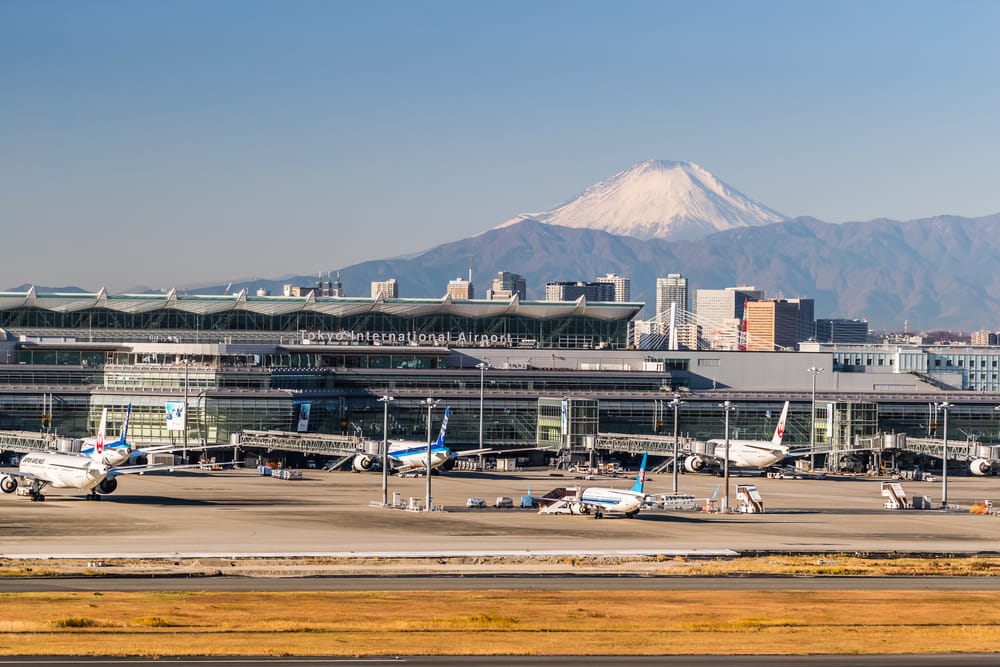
[{"x": 675, "y": 217}]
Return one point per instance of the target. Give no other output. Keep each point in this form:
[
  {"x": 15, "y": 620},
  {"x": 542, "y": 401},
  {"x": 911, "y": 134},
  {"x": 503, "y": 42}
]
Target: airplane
[
  {"x": 743, "y": 453},
  {"x": 94, "y": 468},
  {"x": 407, "y": 456},
  {"x": 597, "y": 500},
  {"x": 120, "y": 451},
  {"x": 110, "y": 453},
  {"x": 71, "y": 470},
  {"x": 410, "y": 456}
]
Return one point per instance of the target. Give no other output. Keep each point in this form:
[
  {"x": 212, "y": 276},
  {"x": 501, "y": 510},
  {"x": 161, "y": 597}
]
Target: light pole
[
  {"x": 727, "y": 406},
  {"x": 430, "y": 404},
  {"x": 384, "y": 400},
  {"x": 187, "y": 365},
  {"x": 814, "y": 371},
  {"x": 482, "y": 366},
  {"x": 944, "y": 406},
  {"x": 675, "y": 404}
]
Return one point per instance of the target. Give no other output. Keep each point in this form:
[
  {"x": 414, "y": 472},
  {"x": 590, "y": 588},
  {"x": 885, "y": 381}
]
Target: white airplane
[
  {"x": 597, "y": 500},
  {"x": 410, "y": 455},
  {"x": 62, "y": 470},
  {"x": 743, "y": 453},
  {"x": 120, "y": 451},
  {"x": 94, "y": 468}
]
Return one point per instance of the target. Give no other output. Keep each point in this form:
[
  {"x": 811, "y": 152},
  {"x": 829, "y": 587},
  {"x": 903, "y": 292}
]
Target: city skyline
[{"x": 169, "y": 145}]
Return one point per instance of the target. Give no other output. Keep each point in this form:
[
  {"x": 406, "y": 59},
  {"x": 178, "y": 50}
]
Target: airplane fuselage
[
  {"x": 413, "y": 455},
  {"x": 64, "y": 471},
  {"x": 610, "y": 500},
  {"x": 750, "y": 453}
]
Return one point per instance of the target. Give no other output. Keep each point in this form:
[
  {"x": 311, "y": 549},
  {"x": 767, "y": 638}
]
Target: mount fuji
[
  {"x": 676, "y": 201},
  {"x": 674, "y": 217}
]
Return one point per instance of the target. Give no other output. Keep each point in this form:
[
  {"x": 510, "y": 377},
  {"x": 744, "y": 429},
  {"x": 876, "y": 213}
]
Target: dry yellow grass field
[{"x": 499, "y": 622}]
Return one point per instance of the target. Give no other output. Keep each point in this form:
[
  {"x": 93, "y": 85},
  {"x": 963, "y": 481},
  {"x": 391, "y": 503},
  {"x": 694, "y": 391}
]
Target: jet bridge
[
  {"x": 637, "y": 444},
  {"x": 24, "y": 442},
  {"x": 306, "y": 443}
]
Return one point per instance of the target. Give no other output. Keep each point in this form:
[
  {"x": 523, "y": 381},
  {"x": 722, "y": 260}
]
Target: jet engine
[
  {"x": 694, "y": 464},
  {"x": 8, "y": 484},
  {"x": 980, "y": 467},
  {"x": 138, "y": 458},
  {"x": 363, "y": 463},
  {"x": 108, "y": 485}
]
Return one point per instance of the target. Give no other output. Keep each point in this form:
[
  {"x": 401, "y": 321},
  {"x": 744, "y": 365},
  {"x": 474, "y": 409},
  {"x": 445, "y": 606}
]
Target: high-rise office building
[
  {"x": 567, "y": 291},
  {"x": 720, "y": 312},
  {"x": 386, "y": 289},
  {"x": 506, "y": 285},
  {"x": 623, "y": 286},
  {"x": 460, "y": 288},
  {"x": 670, "y": 290},
  {"x": 851, "y": 331},
  {"x": 771, "y": 324},
  {"x": 807, "y": 318}
]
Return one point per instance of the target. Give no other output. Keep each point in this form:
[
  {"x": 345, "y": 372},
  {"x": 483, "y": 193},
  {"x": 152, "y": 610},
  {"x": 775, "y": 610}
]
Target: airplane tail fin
[
  {"x": 444, "y": 427},
  {"x": 640, "y": 480},
  {"x": 99, "y": 444},
  {"x": 779, "y": 430},
  {"x": 128, "y": 413}
]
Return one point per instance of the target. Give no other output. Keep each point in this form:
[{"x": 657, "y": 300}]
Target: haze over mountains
[{"x": 675, "y": 217}]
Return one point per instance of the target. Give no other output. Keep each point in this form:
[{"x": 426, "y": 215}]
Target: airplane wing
[
  {"x": 21, "y": 475},
  {"x": 138, "y": 470},
  {"x": 164, "y": 449},
  {"x": 477, "y": 452},
  {"x": 403, "y": 470},
  {"x": 798, "y": 454}
]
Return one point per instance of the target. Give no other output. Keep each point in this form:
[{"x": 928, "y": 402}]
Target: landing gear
[
  {"x": 36, "y": 496},
  {"x": 630, "y": 515},
  {"x": 93, "y": 495},
  {"x": 598, "y": 514}
]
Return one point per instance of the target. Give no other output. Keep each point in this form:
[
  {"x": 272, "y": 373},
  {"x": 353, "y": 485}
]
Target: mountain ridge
[{"x": 934, "y": 272}]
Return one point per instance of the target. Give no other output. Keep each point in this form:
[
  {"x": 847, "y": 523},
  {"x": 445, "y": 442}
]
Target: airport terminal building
[{"x": 319, "y": 365}]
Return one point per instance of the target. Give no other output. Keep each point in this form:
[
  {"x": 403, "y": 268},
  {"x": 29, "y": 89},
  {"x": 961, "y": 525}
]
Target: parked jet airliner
[
  {"x": 109, "y": 453},
  {"x": 94, "y": 468},
  {"x": 597, "y": 500},
  {"x": 743, "y": 453},
  {"x": 411, "y": 455}
]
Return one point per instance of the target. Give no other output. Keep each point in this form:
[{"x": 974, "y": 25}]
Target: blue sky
[{"x": 172, "y": 143}]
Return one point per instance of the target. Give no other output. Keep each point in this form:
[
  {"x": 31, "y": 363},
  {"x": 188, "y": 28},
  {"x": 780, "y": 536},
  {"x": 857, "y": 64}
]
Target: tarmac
[{"x": 238, "y": 513}]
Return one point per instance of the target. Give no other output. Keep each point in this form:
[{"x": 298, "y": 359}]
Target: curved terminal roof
[{"x": 335, "y": 306}]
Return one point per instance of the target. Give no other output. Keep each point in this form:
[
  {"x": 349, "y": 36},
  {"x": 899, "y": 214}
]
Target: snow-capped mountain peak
[{"x": 660, "y": 199}]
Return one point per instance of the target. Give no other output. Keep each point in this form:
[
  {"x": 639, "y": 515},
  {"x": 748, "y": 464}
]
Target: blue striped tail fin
[{"x": 640, "y": 480}]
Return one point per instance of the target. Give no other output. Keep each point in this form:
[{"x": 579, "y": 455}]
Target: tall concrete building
[
  {"x": 567, "y": 291},
  {"x": 506, "y": 285},
  {"x": 460, "y": 288},
  {"x": 807, "y": 318},
  {"x": 672, "y": 289},
  {"x": 719, "y": 313},
  {"x": 623, "y": 286},
  {"x": 387, "y": 289},
  {"x": 772, "y": 324}
]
